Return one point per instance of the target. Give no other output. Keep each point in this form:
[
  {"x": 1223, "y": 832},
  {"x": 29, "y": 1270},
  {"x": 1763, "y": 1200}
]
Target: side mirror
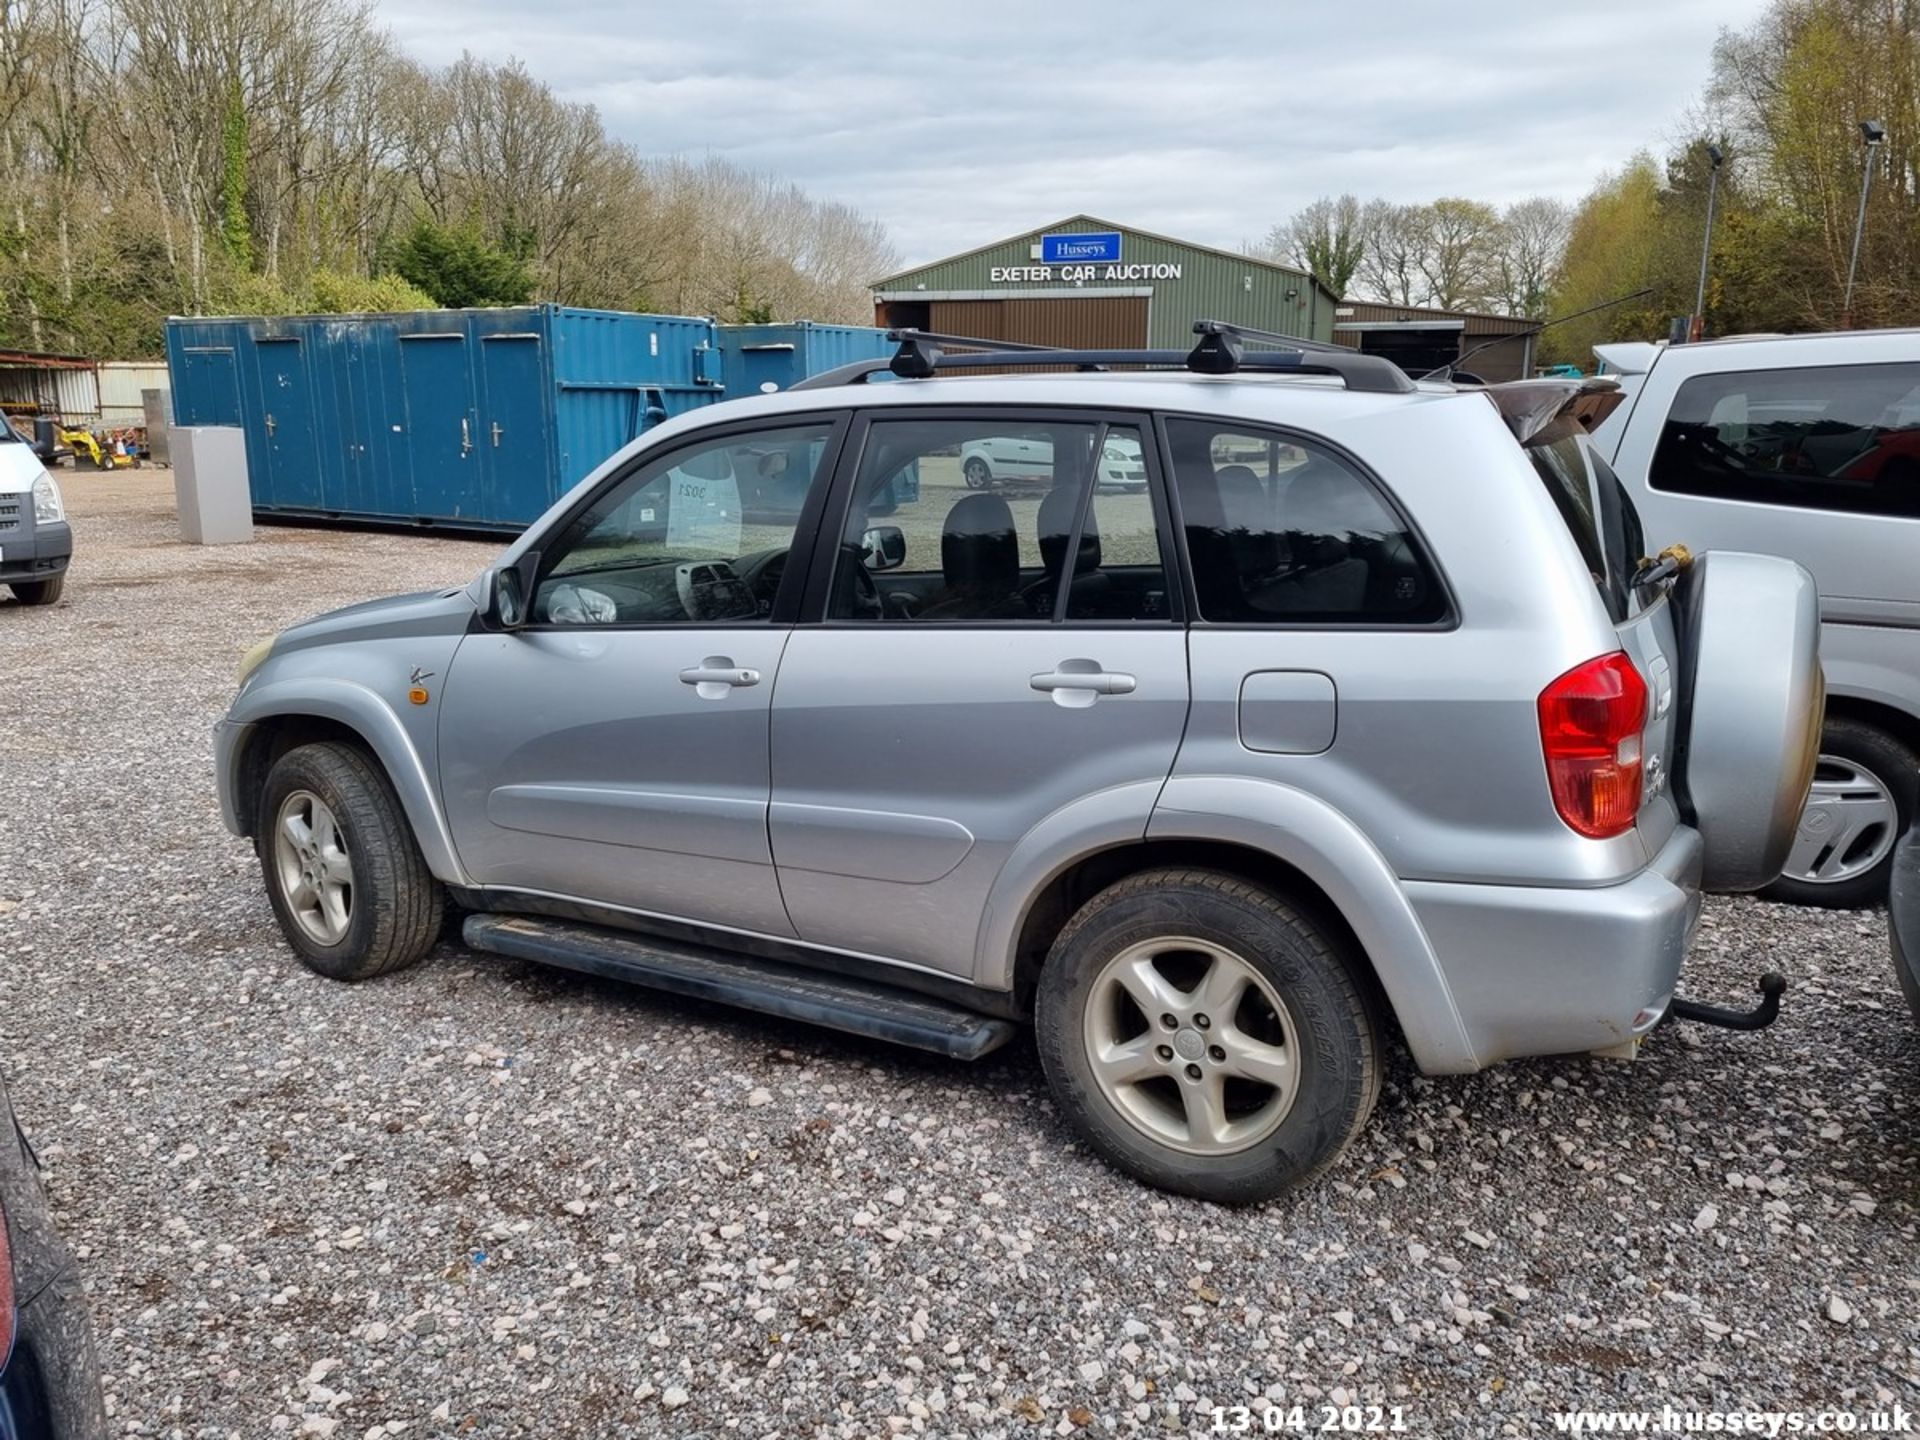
[
  {"x": 510, "y": 591},
  {"x": 884, "y": 547}
]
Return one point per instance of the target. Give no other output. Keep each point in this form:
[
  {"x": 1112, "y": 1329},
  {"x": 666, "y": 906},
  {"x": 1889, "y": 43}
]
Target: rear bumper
[
  {"x": 38, "y": 552},
  {"x": 1536, "y": 970},
  {"x": 1903, "y": 916},
  {"x": 50, "y": 1389}
]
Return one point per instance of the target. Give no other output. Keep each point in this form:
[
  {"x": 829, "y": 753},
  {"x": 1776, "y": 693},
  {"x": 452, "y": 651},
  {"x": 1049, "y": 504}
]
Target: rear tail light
[
  {"x": 1591, "y": 720},
  {"x": 6, "y": 1294}
]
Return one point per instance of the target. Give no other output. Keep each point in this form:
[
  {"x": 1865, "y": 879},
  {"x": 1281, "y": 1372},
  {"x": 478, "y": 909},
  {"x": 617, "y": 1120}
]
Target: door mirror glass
[
  {"x": 884, "y": 547},
  {"x": 508, "y": 588}
]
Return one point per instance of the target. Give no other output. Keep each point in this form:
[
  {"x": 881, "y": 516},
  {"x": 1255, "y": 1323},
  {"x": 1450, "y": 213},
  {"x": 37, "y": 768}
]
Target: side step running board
[{"x": 858, "y": 1007}]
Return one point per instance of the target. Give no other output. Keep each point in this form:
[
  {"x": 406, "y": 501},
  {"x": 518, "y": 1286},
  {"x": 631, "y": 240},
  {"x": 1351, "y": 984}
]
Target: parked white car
[{"x": 1028, "y": 459}]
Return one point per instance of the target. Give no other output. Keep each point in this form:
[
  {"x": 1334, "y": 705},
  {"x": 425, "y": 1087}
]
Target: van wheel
[
  {"x": 349, "y": 887},
  {"x": 976, "y": 474},
  {"x": 1864, "y": 786},
  {"x": 1203, "y": 1035},
  {"x": 39, "y": 592}
]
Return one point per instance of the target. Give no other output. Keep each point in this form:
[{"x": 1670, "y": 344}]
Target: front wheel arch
[{"x": 273, "y": 732}]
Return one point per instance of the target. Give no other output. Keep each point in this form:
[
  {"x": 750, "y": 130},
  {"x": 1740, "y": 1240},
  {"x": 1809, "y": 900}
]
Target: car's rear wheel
[
  {"x": 39, "y": 592},
  {"x": 1205, "y": 1036},
  {"x": 1863, "y": 797},
  {"x": 348, "y": 885},
  {"x": 977, "y": 473}
]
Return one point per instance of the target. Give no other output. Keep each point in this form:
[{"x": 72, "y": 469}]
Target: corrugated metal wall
[
  {"x": 753, "y": 356},
  {"x": 1213, "y": 284},
  {"x": 73, "y": 394},
  {"x": 1507, "y": 360},
  {"x": 1100, "y": 323},
  {"x": 121, "y": 384}
]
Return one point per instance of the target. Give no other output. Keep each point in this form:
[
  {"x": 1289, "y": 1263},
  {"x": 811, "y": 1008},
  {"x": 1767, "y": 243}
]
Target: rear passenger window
[
  {"x": 982, "y": 520},
  {"x": 1834, "y": 437},
  {"x": 1282, "y": 531}
]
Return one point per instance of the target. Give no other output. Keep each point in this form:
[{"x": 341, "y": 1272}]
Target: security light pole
[
  {"x": 1873, "y": 132},
  {"x": 1715, "y": 155}
]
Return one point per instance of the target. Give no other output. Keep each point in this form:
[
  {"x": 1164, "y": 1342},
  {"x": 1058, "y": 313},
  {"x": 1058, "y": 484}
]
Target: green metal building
[{"x": 1084, "y": 282}]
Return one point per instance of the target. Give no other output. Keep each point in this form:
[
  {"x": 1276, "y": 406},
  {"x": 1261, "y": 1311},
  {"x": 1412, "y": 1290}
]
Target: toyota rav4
[{"x": 1366, "y": 721}]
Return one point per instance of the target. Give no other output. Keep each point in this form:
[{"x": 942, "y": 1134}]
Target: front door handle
[
  {"x": 715, "y": 677},
  {"x": 1078, "y": 683}
]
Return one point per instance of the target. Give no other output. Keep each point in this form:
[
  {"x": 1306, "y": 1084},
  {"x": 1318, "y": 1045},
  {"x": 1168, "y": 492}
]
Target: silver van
[{"x": 1806, "y": 446}]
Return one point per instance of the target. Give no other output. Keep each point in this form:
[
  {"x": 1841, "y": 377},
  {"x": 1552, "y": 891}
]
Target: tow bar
[{"x": 1772, "y": 986}]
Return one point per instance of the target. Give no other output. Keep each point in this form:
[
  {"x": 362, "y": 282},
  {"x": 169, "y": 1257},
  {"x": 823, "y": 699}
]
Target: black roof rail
[{"x": 1221, "y": 350}]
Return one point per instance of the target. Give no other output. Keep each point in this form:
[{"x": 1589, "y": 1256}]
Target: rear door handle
[
  {"x": 1077, "y": 683},
  {"x": 716, "y": 676}
]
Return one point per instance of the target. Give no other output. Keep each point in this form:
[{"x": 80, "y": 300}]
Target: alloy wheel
[
  {"x": 1192, "y": 1045},
  {"x": 314, "y": 869}
]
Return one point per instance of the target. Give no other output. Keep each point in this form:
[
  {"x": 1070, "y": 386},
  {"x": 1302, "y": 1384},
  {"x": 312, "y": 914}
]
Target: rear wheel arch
[
  {"x": 1062, "y": 896},
  {"x": 1901, "y": 725}
]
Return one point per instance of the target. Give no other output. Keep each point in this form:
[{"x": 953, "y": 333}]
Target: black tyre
[
  {"x": 353, "y": 895},
  {"x": 39, "y": 592},
  {"x": 1864, "y": 789},
  {"x": 1203, "y": 1035},
  {"x": 977, "y": 473}
]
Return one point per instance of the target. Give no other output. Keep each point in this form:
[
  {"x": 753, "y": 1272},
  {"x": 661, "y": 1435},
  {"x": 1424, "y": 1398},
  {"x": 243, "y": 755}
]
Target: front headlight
[
  {"x": 253, "y": 659},
  {"x": 46, "y": 502}
]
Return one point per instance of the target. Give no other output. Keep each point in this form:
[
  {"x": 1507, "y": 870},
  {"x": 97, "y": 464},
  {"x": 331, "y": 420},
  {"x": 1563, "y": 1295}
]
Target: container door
[
  {"x": 286, "y": 404},
  {"x": 209, "y": 390},
  {"x": 437, "y": 383},
  {"x": 520, "y": 482}
]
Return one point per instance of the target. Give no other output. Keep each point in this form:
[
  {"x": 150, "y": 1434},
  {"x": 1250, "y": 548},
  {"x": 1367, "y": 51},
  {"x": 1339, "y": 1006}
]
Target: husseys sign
[{"x": 1083, "y": 255}]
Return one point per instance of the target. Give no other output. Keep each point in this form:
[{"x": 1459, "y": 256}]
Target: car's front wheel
[
  {"x": 978, "y": 475},
  {"x": 1205, "y": 1036},
  {"x": 348, "y": 884}
]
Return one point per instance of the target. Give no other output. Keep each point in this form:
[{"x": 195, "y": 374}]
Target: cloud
[{"x": 955, "y": 125}]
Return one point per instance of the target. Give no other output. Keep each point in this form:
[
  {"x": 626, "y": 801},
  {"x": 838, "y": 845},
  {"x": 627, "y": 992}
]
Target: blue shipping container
[
  {"x": 756, "y": 357},
  {"x": 464, "y": 418}
]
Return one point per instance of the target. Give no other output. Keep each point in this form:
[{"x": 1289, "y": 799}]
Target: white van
[
  {"x": 35, "y": 539},
  {"x": 1806, "y": 446}
]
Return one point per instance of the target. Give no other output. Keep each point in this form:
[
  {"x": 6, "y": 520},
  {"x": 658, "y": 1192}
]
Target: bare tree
[
  {"x": 1328, "y": 239},
  {"x": 1532, "y": 243},
  {"x": 1458, "y": 254},
  {"x": 1395, "y": 238}
]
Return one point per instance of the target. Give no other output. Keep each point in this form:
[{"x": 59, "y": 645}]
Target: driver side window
[{"x": 698, "y": 535}]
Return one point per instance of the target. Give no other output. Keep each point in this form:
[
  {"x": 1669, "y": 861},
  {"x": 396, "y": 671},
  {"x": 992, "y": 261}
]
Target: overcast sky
[{"x": 957, "y": 124}]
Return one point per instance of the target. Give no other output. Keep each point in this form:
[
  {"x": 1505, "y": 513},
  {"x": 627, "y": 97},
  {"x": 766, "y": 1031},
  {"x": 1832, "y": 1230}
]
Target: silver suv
[{"x": 1365, "y": 721}]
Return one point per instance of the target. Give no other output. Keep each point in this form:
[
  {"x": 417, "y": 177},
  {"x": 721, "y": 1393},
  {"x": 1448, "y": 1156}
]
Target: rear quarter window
[
  {"x": 1829, "y": 437},
  {"x": 1598, "y": 512}
]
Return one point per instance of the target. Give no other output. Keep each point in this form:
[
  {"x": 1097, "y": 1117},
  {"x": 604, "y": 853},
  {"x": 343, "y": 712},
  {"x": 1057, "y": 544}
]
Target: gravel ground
[{"x": 481, "y": 1198}]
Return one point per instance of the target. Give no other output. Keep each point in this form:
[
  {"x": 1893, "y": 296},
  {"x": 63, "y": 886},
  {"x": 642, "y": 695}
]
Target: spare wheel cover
[{"x": 1751, "y": 710}]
